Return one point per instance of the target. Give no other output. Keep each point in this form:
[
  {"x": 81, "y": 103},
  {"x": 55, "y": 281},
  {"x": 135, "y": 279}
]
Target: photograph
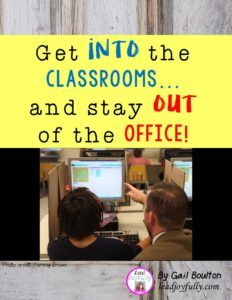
[
  {"x": 144, "y": 211},
  {"x": 116, "y": 204}
]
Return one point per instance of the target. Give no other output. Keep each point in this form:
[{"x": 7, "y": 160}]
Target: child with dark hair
[{"x": 80, "y": 214}]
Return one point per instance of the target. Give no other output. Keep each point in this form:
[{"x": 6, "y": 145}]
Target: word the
[
  {"x": 91, "y": 136},
  {"x": 167, "y": 54}
]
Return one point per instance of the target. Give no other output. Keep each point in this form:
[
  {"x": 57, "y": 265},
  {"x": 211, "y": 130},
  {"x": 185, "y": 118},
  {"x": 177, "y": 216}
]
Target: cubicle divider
[{"x": 56, "y": 191}]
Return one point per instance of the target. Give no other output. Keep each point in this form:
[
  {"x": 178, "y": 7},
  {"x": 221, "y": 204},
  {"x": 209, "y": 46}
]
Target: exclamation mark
[{"x": 186, "y": 133}]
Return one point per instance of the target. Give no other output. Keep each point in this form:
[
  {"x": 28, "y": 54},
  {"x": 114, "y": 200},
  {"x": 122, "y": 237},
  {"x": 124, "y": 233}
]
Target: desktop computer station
[{"x": 105, "y": 176}]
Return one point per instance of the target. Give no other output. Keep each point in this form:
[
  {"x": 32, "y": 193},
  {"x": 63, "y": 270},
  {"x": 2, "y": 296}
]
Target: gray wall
[
  {"x": 115, "y": 17},
  {"x": 106, "y": 280},
  {"x": 24, "y": 17},
  {"x": 202, "y": 17},
  {"x": 71, "y": 17}
]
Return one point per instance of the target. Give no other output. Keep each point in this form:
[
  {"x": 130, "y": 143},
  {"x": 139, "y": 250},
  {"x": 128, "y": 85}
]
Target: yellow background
[{"x": 207, "y": 74}]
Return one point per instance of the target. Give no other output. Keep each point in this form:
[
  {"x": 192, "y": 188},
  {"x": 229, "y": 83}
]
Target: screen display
[
  {"x": 50, "y": 149},
  {"x": 186, "y": 166},
  {"x": 102, "y": 177}
]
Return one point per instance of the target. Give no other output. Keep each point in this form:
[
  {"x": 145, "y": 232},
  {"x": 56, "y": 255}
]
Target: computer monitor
[
  {"x": 103, "y": 176},
  {"x": 185, "y": 164}
]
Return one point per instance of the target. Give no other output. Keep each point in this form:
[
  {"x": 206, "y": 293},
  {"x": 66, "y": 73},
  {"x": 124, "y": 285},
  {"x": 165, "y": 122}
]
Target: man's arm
[{"x": 135, "y": 194}]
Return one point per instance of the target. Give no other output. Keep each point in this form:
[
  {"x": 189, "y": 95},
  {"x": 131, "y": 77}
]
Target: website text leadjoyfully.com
[{"x": 192, "y": 281}]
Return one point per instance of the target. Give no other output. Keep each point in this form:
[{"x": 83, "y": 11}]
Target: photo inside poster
[{"x": 143, "y": 196}]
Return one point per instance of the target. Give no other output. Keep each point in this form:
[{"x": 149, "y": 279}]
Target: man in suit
[{"x": 165, "y": 210}]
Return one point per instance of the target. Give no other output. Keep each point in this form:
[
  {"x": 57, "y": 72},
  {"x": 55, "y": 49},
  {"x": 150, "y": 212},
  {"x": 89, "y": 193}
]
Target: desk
[
  {"x": 131, "y": 218},
  {"x": 133, "y": 221},
  {"x": 133, "y": 207}
]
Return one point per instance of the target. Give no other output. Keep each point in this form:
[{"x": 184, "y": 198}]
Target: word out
[{"x": 173, "y": 103}]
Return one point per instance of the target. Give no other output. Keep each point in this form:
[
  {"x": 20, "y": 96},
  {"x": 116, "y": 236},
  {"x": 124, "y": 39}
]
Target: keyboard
[{"x": 129, "y": 237}]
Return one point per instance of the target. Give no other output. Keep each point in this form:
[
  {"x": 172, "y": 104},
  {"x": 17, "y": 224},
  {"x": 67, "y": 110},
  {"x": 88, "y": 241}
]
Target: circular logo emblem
[{"x": 139, "y": 281}]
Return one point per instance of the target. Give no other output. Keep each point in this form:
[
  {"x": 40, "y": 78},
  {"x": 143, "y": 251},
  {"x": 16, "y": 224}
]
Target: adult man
[
  {"x": 80, "y": 214},
  {"x": 165, "y": 210}
]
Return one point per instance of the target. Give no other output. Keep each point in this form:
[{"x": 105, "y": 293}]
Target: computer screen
[
  {"x": 103, "y": 176},
  {"x": 185, "y": 164}
]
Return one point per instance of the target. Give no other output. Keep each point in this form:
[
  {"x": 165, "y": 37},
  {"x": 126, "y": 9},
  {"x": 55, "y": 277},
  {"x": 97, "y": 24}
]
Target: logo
[{"x": 139, "y": 281}]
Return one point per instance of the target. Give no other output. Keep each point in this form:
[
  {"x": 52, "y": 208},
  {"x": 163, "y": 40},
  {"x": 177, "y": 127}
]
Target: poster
[{"x": 113, "y": 75}]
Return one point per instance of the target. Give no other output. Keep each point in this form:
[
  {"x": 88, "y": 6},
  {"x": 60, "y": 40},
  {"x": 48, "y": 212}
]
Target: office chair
[{"x": 138, "y": 175}]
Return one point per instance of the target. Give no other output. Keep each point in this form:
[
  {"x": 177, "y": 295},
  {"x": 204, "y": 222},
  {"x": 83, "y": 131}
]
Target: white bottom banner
[{"x": 116, "y": 280}]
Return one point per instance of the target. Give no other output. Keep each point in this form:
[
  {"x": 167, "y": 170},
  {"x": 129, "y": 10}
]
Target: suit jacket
[{"x": 172, "y": 245}]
